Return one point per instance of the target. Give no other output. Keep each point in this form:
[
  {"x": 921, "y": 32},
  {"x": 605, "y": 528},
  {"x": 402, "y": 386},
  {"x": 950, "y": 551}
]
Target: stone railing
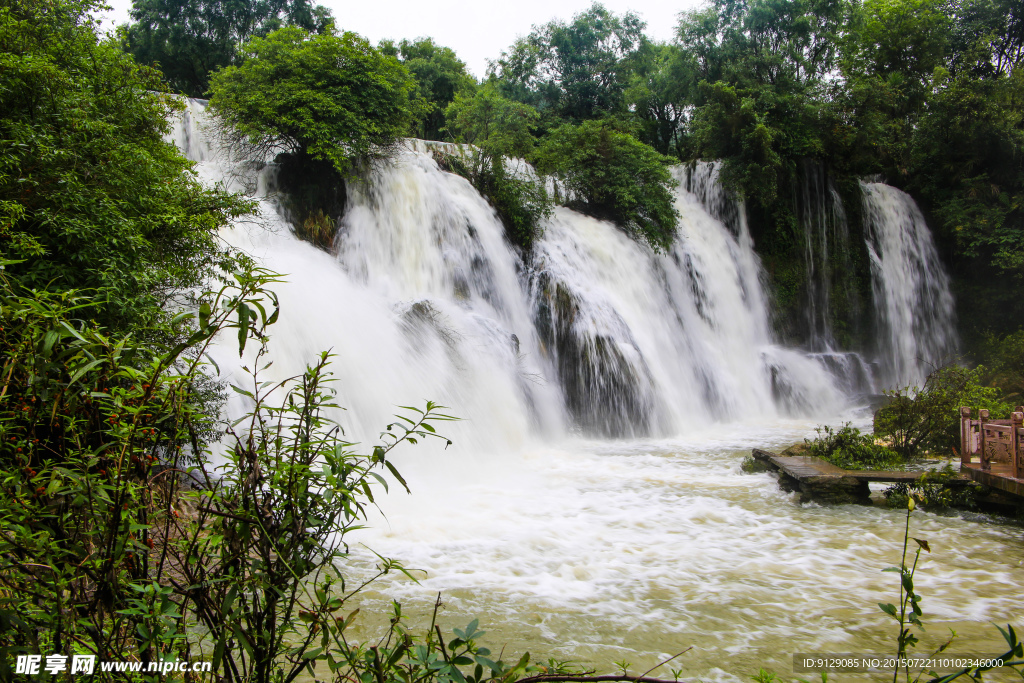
[{"x": 999, "y": 441}]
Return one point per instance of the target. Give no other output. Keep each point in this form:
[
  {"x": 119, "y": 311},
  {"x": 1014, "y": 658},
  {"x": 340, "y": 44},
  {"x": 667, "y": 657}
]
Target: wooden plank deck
[
  {"x": 803, "y": 467},
  {"x": 824, "y": 482}
]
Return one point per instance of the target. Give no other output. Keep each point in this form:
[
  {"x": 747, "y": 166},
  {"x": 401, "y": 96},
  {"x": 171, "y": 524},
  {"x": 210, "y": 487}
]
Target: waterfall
[
  {"x": 826, "y": 260},
  {"x": 645, "y": 343},
  {"x": 829, "y": 279},
  {"x": 423, "y": 298},
  {"x": 913, "y": 304}
]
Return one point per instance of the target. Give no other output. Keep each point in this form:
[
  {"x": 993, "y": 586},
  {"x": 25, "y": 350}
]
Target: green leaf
[
  {"x": 243, "y": 327},
  {"x": 471, "y": 629},
  {"x": 487, "y": 662},
  {"x": 84, "y": 369},
  {"x": 229, "y": 600},
  {"x": 243, "y": 392},
  {"x": 396, "y": 475}
]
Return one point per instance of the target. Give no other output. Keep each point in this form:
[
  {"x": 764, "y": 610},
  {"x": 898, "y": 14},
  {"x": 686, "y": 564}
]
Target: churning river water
[{"x": 599, "y": 552}]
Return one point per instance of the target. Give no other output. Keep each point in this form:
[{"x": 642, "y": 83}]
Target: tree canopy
[
  {"x": 440, "y": 77},
  {"x": 608, "y": 173},
  {"x": 91, "y": 196},
  {"x": 577, "y": 70},
  {"x": 498, "y": 126},
  {"x": 332, "y": 97},
  {"x": 190, "y": 39}
]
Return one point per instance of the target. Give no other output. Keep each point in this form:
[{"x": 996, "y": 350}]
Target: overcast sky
[{"x": 477, "y": 31}]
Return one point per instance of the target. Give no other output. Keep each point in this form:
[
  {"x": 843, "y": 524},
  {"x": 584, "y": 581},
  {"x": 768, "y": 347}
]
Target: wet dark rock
[{"x": 604, "y": 391}]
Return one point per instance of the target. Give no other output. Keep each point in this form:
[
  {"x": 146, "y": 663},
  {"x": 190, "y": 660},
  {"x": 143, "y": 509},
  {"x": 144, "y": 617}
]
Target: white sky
[{"x": 477, "y": 31}]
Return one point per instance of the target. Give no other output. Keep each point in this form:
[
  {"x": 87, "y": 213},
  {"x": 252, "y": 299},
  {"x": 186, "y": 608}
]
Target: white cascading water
[
  {"x": 592, "y": 550},
  {"x": 422, "y": 301},
  {"x": 653, "y": 344},
  {"x": 826, "y": 239},
  {"x": 914, "y": 308},
  {"x": 425, "y": 299}
]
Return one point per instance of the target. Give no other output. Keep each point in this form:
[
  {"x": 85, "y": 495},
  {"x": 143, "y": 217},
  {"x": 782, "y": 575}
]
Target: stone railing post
[
  {"x": 982, "y": 418},
  {"x": 1016, "y": 454},
  {"x": 965, "y": 436}
]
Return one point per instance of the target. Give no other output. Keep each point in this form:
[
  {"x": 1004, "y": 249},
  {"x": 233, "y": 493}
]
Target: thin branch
[{"x": 666, "y": 661}]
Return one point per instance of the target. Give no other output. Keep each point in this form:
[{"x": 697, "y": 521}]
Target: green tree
[
  {"x": 498, "y": 126},
  {"x": 578, "y": 70},
  {"x": 987, "y": 36},
  {"x": 190, "y": 39},
  {"x": 660, "y": 94},
  {"x": 500, "y": 130},
  {"x": 607, "y": 173},
  {"x": 440, "y": 77},
  {"x": 333, "y": 98},
  {"x": 91, "y": 196},
  {"x": 890, "y": 61},
  {"x": 965, "y": 161},
  {"x": 763, "y": 70}
]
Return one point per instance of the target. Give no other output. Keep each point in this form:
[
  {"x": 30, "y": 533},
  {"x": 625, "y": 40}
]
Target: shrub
[
  {"x": 522, "y": 203},
  {"x": 609, "y": 174},
  {"x": 934, "y": 491},
  {"x": 927, "y": 419},
  {"x": 318, "y": 229},
  {"x": 93, "y": 428},
  {"x": 846, "y": 447},
  {"x": 752, "y": 465},
  {"x": 260, "y": 562}
]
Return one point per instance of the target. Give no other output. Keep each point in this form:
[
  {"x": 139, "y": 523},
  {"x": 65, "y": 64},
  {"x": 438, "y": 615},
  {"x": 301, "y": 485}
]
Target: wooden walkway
[{"x": 822, "y": 481}]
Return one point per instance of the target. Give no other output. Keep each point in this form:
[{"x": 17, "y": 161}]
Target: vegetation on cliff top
[{"x": 332, "y": 97}]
